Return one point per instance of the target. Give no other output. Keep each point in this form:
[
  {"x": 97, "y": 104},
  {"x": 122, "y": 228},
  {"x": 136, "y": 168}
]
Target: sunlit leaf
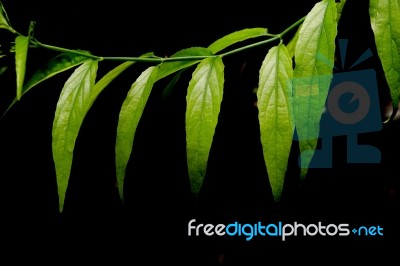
[
  {"x": 203, "y": 99},
  {"x": 314, "y": 59},
  {"x": 129, "y": 117},
  {"x": 21, "y": 54},
  {"x": 235, "y": 37},
  {"x": 275, "y": 113},
  {"x": 168, "y": 68},
  {"x": 385, "y": 23},
  {"x": 4, "y": 21},
  {"x": 75, "y": 100},
  {"x": 291, "y": 46}
]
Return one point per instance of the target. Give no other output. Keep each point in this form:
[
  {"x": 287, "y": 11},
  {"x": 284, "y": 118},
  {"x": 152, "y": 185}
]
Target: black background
[{"x": 152, "y": 224}]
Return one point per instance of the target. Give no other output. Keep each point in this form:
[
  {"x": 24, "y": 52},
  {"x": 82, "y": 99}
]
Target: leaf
[
  {"x": 58, "y": 64},
  {"x": 291, "y": 46},
  {"x": 314, "y": 59},
  {"x": 340, "y": 7},
  {"x": 385, "y": 23},
  {"x": 168, "y": 68},
  {"x": 4, "y": 21},
  {"x": 75, "y": 100},
  {"x": 275, "y": 114},
  {"x": 236, "y": 37},
  {"x": 21, "y": 54},
  {"x": 203, "y": 99},
  {"x": 129, "y": 117}
]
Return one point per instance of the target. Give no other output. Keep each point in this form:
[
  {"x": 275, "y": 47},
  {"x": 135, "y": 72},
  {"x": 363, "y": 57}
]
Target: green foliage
[
  {"x": 294, "y": 79},
  {"x": 385, "y": 23},
  {"x": 4, "y": 21},
  {"x": 314, "y": 58},
  {"x": 203, "y": 99},
  {"x": 129, "y": 117},
  {"x": 275, "y": 105},
  {"x": 21, "y": 54},
  {"x": 75, "y": 100},
  {"x": 340, "y": 5},
  {"x": 235, "y": 37},
  {"x": 58, "y": 64},
  {"x": 169, "y": 68}
]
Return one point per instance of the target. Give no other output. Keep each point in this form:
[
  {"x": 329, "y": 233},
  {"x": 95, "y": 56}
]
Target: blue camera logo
[{"x": 352, "y": 107}]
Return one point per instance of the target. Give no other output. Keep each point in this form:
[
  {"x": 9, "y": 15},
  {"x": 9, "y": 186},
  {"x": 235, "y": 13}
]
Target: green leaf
[
  {"x": 203, "y": 99},
  {"x": 385, "y": 23},
  {"x": 168, "y": 68},
  {"x": 340, "y": 7},
  {"x": 75, "y": 100},
  {"x": 291, "y": 46},
  {"x": 275, "y": 114},
  {"x": 58, "y": 64},
  {"x": 129, "y": 117},
  {"x": 4, "y": 21},
  {"x": 236, "y": 37},
  {"x": 21, "y": 54},
  {"x": 314, "y": 59}
]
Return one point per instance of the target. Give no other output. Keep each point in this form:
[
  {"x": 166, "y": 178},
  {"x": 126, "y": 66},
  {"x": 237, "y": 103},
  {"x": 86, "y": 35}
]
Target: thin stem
[
  {"x": 276, "y": 37},
  {"x": 270, "y": 34},
  {"x": 65, "y": 50},
  {"x": 157, "y": 59},
  {"x": 171, "y": 59},
  {"x": 250, "y": 46}
]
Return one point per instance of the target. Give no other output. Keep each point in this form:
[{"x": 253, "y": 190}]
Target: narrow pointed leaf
[
  {"x": 58, "y": 64},
  {"x": 203, "y": 99},
  {"x": 235, "y": 37},
  {"x": 340, "y": 7},
  {"x": 275, "y": 113},
  {"x": 21, "y": 53},
  {"x": 75, "y": 100},
  {"x": 64, "y": 62},
  {"x": 4, "y": 21},
  {"x": 314, "y": 59},
  {"x": 129, "y": 117},
  {"x": 385, "y": 23},
  {"x": 171, "y": 67}
]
